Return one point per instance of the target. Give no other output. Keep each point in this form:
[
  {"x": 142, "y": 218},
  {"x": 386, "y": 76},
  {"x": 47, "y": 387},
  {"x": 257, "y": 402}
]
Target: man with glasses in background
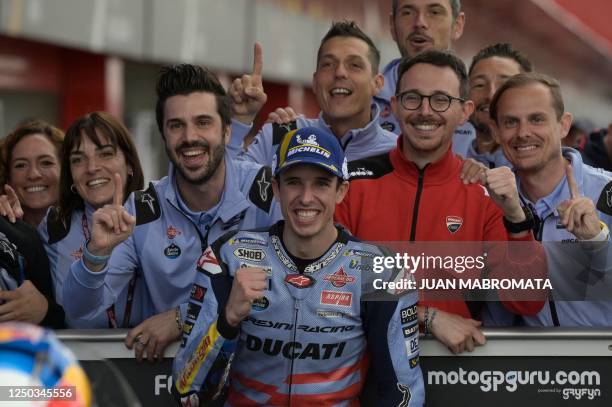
[
  {"x": 388, "y": 200},
  {"x": 417, "y": 26}
]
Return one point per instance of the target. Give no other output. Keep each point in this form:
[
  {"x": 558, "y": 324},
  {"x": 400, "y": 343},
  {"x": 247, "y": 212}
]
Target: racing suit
[
  {"x": 464, "y": 134},
  {"x": 356, "y": 143},
  {"x": 64, "y": 245},
  {"x": 307, "y": 341},
  {"x": 568, "y": 260},
  {"x": 391, "y": 199},
  {"x": 167, "y": 242}
]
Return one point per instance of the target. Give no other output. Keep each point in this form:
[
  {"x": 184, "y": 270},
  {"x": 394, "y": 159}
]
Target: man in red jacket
[{"x": 411, "y": 193}]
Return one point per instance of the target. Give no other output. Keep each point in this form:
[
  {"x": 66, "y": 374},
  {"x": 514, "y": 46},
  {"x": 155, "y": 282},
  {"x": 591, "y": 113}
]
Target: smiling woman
[
  {"x": 96, "y": 148},
  {"x": 97, "y": 145},
  {"x": 31, "y": 154}
]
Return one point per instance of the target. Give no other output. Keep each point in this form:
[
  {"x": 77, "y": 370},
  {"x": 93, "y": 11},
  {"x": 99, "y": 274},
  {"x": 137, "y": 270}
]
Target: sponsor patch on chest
[{"x": 250, "y": 254}]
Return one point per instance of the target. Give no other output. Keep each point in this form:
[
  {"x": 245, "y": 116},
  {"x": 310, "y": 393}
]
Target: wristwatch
[{"x": 523, "y": 226}]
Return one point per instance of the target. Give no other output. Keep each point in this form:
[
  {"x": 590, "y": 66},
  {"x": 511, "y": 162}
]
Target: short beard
[{"x": 216, "y": 157}]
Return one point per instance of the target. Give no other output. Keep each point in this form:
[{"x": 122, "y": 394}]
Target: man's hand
[
  {"x": 282, "y": 116},
  {"x": 249, "y": 284},
  {"x": 25, "y": 303},
  {"x": 457, "y": 333},
  {"x": 9, "y": 205},
  {"x": 578, "y": 214},
  {"x": 471, "y": 171},
  {"x": 151, "y": 337},
  {"x": 501, "y": 184},
  {"x": 112, "y": 224},
  {"x": 247, "y": 92}
]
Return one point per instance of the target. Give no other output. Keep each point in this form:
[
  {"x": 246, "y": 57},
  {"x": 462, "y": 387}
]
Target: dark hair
[
  {"x": 89, "y": 126},
  {"x": 502, "y": 50},
  {"x": 437, "y": 58},
  {"x": 455, "y": 7},
  {"x": 350, "y": 29},
  {"x": 55, "y": 136},
  {"x": 530, "y": 78},
  {"x": 184, "y": 79}
]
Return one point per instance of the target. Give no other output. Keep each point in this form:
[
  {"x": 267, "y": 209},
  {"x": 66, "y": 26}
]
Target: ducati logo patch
[{"x": 453, "y": 223}]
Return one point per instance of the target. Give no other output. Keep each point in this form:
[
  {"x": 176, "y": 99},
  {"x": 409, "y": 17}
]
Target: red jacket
[{"x": 390, "y": 199}]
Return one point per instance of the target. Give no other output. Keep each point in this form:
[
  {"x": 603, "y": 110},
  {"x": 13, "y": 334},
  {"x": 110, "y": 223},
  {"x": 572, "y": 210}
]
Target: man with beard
[
  {"x": 345, "y": 80},
  {"x": 205, "y": 195},
  {"x": 414, "y": 193},
  {"x": 490, "y": 68},
  {"x": 417, "y": 26}
]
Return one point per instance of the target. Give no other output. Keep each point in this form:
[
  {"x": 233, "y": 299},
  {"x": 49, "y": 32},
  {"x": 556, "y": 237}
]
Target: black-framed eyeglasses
[{"x": 439, "y": 102}]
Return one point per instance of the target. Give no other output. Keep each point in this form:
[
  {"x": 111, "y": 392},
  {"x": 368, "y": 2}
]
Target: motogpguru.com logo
[{"x": 496, "y": 380}]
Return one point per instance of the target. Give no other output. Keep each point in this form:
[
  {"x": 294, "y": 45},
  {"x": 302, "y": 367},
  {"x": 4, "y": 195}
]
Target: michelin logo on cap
[
  {"x": 311, "y": 145},
  {"x": 311, "y": 140}
]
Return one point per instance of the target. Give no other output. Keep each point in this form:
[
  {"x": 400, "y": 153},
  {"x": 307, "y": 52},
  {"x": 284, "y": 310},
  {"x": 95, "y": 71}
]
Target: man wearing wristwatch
[
  {"x": 571, "y": 202},
  {"x": 414, "y": 193}
]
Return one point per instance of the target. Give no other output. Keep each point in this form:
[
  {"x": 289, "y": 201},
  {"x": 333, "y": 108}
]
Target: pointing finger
[
  {"x": 571, "y": 182},
  {"x": 257, "y": 60}
]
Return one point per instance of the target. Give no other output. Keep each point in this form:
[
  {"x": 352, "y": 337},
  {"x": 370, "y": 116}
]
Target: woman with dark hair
[
  {"x": 96, "y": 148},
  {"x": 31, "y": 158}
]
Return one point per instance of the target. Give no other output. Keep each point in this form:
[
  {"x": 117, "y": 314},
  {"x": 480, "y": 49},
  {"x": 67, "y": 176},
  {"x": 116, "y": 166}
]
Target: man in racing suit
[
  {"x": 276, "y": 317},
  {"x": 416, "y": 26},
  {"x": 205, "y": 195},
  {"x": 344, "y": 82},
  {"x": 572, "y": 203},
  {"x": 414, "y": 192}
]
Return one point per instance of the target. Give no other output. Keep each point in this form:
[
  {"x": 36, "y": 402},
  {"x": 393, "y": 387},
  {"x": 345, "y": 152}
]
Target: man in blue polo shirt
[
  {"x": 163, "y": 231},
  {"x": 571, "y": 202}
]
